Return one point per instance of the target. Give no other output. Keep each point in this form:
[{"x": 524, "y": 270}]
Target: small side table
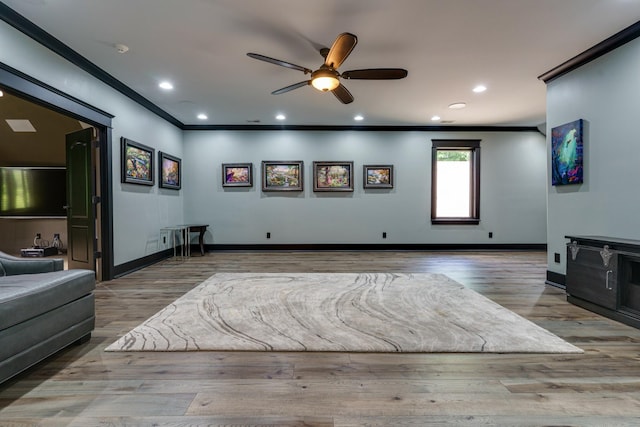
[
  {"x": 183, "y": 232},
  {"x": 196, "y": 228}
]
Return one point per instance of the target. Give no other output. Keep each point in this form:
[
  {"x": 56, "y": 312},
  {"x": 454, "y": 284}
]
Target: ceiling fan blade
[
  {"x": 291, "y": 87},
  {"x": 343, "y": 94},
  {"x": 376, "y": 74},
  {"x": 340, "y": 49},
  {"x": 279, "y": 62}
]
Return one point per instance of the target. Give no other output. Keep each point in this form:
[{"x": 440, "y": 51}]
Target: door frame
[{"x": 42, "y": 94}]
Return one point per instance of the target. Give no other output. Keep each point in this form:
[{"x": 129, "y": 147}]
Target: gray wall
[
  {"x": 138, "y": 212},
  {"x": 513, "y": 196},
  {"x": 606, "y": 94},
  {"x": 513, "y": 192}
]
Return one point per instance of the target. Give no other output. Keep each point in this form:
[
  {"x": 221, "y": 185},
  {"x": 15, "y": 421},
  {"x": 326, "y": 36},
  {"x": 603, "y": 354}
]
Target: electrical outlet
[
  {"x": 556, "y": 257},
  {"x": 268, "y": 235},
  {"x": 384, "y": 234},
  {"x": 491, "y": 234},
  {"x": 164, "y": 240},
  {"x": 38, "y": 236}
]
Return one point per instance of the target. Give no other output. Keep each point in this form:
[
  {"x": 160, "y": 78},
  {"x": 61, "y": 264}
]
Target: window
[{"x": 455, "y": 181}]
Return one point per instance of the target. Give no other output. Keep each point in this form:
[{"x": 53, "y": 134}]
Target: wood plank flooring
[{"x": 85, "y": 386}]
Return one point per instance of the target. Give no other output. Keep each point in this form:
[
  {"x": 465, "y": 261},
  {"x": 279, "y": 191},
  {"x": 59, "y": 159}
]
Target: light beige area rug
[{"x": 338, "y": 312}]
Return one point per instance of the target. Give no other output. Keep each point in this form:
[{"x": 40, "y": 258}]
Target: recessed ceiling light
[
  {"x": 479, "y": 88},
  {"x": 281, "y": 117},
  {"x": 202, "y": 116},
  {"x": 166, "y": 85},
  {"x": 435, "y": 118},
  {"x": 20, "y": 125},
  {"x": 457, "y": 105},
  {"x": 358, "y": 118}
]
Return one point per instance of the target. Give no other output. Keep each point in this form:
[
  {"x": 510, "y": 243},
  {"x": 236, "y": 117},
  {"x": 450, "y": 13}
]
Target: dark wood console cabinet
[{"x": 603, "y": 276}]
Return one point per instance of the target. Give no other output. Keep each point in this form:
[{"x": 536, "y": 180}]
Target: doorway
[{"x": 65, "y": 115}]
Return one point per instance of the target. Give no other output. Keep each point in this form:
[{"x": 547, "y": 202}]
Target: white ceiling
[{"x": 448, "y": 47}]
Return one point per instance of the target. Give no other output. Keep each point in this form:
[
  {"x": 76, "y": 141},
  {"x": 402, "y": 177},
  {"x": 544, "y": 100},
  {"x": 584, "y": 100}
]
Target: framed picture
[
  {"x": 137, "y": 162},
  {"x": 170, "y": 171},
  {"x": 237, "y": 174},
  {"x": 332, "y": 176},
  {"x": 567, "y": 153},
  {"x": 378, "y": 176},
  {"x": 282, "y": 175}
]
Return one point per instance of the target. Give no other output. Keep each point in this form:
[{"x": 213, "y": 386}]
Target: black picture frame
[
  {"x": 280, "y": 175},
  {"x": 333, "y": 176},
  {"x": 237, "y": 174},
  {"x": 170, "y": 171},
  {"x": 137, "y": 163},
  {"x": 377, "y": 176}
]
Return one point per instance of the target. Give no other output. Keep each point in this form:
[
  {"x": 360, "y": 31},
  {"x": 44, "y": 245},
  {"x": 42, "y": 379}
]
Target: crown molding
[
  {"x": 364, "y": 128},
  {"x": 625, "y": 36},
  {"x": 31, "y": 30}
]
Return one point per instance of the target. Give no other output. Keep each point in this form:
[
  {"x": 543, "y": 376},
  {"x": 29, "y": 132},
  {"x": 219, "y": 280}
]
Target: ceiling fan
[{"x": 327, "y": 78}]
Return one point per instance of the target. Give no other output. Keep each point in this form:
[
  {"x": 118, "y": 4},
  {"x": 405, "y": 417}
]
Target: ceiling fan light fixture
[{"x": 325, "y": 79}]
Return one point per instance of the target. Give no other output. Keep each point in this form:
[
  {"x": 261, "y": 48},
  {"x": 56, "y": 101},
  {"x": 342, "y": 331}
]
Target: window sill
[{"x": 455, "y": 221}]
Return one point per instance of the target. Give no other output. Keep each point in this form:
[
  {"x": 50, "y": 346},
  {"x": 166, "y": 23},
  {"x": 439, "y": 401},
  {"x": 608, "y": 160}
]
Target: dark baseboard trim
[
  {"x": 556, "y": 279},
  {"x": 628, "y": 34},
  {"x": 137, "y": 264},
  {"x": 373, "y": 247}
]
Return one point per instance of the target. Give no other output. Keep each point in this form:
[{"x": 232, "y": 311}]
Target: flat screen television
[{"x": 33, "y": 191}]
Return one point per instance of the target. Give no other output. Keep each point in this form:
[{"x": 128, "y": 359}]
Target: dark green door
[{"x": 80, "y": 208}]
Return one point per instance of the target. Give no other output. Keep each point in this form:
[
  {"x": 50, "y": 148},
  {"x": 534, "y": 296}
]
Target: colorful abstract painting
[
  {"x": 137, "y": 162},
  {"x": 378, "y": 176},
  {"x": 332, "y": 176},
  {"x": 237, "y": 174},
  {"x": 170, "y": 172},
  {"x": 567, "y": 153},
  {"x": 282, "y": 176}
]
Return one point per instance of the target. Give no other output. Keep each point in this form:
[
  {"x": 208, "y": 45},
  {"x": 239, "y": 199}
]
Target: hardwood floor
[{"x": 85, "y": 386}]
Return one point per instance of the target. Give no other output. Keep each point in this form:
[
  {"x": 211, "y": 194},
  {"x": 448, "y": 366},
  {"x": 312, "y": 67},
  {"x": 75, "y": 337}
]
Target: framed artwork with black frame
[
  {"x": 237, "y": 174},
  {"x": 137, "y": 163},
  {"x": 378, "y": 176},
  {"x": 333, "y": 176},
  {"x": 282, "y": 175},
  {"x": 170, "y": 171}
]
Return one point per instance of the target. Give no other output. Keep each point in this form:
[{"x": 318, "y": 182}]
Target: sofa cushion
[
  {"x": 28, "y": 295},
  {"x": 58, "y": 263},
  {"x": 27, "y": 266}
]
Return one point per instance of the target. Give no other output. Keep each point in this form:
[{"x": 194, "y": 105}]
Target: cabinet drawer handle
[{"x": 606, "y": 282}]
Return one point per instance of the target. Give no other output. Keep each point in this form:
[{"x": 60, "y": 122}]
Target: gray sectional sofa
[{"x": 43, "y": 308}]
